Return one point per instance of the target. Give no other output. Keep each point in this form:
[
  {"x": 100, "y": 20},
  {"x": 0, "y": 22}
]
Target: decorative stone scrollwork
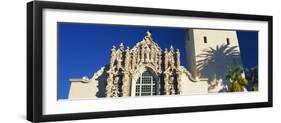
[{"x": 124, "y": 64}]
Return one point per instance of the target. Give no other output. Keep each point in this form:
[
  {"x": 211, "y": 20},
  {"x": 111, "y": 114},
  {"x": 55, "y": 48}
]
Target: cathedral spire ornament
[
  {"x": 148, "y": 36},
  {"x": 172, "y": 48},
  {"x": 121, "y": 46}
]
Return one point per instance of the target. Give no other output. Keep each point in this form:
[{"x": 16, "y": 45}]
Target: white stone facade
[
  {"x": 147, "y": 70},
  {"x": 210, "y": 53}
]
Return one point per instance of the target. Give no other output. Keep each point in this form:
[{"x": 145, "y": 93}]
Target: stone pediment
[{"x": 147, "y": 42}]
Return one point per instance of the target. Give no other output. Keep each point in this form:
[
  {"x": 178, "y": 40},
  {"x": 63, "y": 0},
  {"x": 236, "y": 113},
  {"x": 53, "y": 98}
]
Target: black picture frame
[{"x": 35, "y": 69}]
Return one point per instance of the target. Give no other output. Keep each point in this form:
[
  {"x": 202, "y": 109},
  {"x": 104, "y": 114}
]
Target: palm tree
[
  {"x": 253, "y": 78},
  {"x": 237, "y": 81}
]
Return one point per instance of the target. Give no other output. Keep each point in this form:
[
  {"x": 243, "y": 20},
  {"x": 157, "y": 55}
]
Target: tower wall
[{"x": 211, "y": 53}]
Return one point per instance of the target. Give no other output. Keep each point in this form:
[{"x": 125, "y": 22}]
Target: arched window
[{"x": 146, "y": 85}]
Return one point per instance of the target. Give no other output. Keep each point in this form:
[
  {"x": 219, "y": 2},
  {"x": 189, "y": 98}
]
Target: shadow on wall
[
  {"x": 102, "y": 82},
  {"x": 213, "y": 63}
]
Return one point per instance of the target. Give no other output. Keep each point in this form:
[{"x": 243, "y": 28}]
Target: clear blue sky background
[{"x": 85, "y": 48}]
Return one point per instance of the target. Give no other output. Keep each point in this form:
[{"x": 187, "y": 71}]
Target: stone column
[
  {"x": 159, "y": 61},
  {"x": 127, "y": 59},
  {"x": 142, "y": 53},
  {"x": 126, "y": 85},
  {"x": 166, "y": 84},
  {"x": 166, "y": 58},
  {"x": 125, "y": 80},
  {"x": 178, "y": 58},
  {"x": 112, "y": 56},
  {"x": 172, "y": 86},
  {"x": 119, "y": 59},
  {"x": 115, "y": 87},
  {"x": 180, "y": 84},
  {"x": 152, "y": 52},
  {"x": 134, "y": 60}
]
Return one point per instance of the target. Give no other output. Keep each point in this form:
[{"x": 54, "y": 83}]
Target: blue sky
[{"x": 85, "y": 48}]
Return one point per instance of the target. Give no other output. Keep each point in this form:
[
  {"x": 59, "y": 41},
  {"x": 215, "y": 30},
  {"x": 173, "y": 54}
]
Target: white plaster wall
[
  {"x": 214, "y": 37},
  {"x": 80, "y": 90},
  {"x": 216, "y": 70},
  {"x": 93, "y": 88},
  {"x": 191, "y": 88}
]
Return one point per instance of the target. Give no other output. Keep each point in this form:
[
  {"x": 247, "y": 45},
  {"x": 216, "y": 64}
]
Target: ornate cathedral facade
[
  {"x": 148, "y": 70},
  {"x": 147, "y": 67}
]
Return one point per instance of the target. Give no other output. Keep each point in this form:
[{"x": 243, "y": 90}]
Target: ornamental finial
[
  {"x": 172, "y": 48},
  {"x": 148, "y": 34},
  {"x": 121, "y": 46}
]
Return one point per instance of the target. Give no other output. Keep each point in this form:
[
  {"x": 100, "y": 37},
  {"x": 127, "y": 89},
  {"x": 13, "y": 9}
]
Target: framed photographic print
[{"x": 95, "y": 61}]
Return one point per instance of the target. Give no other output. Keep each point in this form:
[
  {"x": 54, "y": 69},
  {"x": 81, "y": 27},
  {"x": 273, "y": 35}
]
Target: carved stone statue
[
  {"x": 142, "y": 53},
  {"x": 147, "y": 36},
  {"x": 146, "y": 54},
  {"x": 115, "y": 87},
  {"x": 166, "y": 58},
  {"x": 172, "y": 88},
  {"x": 127, "y": 59},
  {"x": 178, "y": 57},
  {"x": 159, "y": 61},
  {"x": 134, "y": 60},
  {"x": 119, "y": 59},
  {"x": 121, "y": 46},
  {"x": 153, "y": 55}
]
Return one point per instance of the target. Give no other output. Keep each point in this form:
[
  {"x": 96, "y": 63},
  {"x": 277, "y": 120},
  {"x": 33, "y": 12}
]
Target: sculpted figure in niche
[
  {"x": 125, "y": 87},
  {"x": 166, "y": 58},
  {"x": 121, "y": 47},
  {"x": 115, "y": 88},
  {"x": 142, "y": 53},
  {"x": 134, "y": 58},
  {"x": 146, "y": 54},
  {"x": 152, "y": 55},
  {"x": 119, "y": 59},
  {"x": 127, "y": 59},
  {"x": 178, "y": 57},
  {"x": 167, "y": 84},
  {"x": 172, "y": 88},
  {"x": 148, "y": 36}
]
